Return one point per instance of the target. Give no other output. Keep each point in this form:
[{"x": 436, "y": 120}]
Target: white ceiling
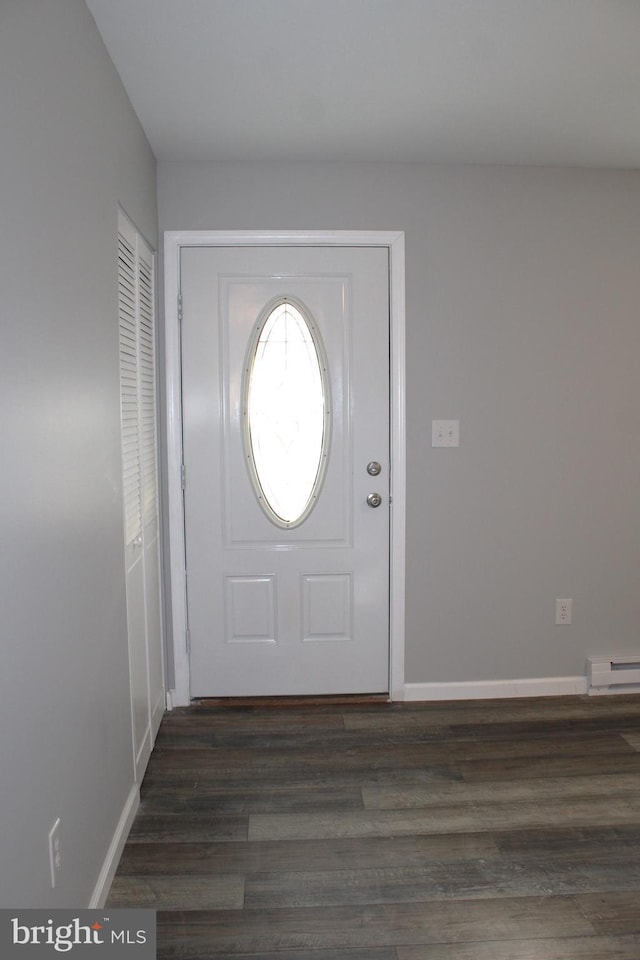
[{"x": 472, "y": 81}]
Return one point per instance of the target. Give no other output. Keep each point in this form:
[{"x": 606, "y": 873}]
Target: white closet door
[{"x": 136, "y": 314}]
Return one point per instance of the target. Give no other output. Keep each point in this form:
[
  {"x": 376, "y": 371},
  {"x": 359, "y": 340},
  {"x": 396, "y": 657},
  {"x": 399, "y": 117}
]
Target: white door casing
[{"x": 239, "y": 507}]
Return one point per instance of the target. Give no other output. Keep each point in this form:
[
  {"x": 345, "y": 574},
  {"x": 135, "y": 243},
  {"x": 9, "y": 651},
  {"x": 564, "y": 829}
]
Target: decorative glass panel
[{"x": 286, "y": 411}]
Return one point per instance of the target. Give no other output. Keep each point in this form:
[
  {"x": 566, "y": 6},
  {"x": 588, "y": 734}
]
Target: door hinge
[
  {"x": 187, "y": 637},
  {"x": 183, "y": 475},
  {"x": 179, "y": 307}
]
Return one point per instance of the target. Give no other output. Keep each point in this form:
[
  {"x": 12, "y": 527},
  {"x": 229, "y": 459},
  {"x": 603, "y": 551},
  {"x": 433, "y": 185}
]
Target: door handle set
[{"x": 374, "y": 469}]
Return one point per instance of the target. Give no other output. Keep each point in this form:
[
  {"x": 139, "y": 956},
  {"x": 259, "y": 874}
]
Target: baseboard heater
[{"x": 613, "y": 675}]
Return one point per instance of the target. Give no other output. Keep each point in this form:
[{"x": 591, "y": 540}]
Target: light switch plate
[{"x": 445, "y": 433}]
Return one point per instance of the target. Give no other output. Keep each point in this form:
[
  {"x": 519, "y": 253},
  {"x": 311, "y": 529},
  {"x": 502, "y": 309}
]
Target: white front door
[{"x": 279, "y": 604}]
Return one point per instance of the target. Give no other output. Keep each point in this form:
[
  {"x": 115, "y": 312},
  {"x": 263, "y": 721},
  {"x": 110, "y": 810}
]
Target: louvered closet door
[{"x": 140, "y": 489}]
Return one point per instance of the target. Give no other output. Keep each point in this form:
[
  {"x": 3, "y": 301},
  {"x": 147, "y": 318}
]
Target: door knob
[{"x": 374, "y": 499}]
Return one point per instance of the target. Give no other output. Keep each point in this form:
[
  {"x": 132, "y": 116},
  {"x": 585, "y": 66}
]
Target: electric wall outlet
[
  {"x": 445, "y": 433},
  {"x": 564, "y": 611},
  {"x": 55, "y": 852}
]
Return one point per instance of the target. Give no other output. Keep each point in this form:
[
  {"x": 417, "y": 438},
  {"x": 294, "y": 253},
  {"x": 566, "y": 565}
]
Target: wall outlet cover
[
  {"x": 564, "y": 612},
  {"x": 55, "y": 852}
]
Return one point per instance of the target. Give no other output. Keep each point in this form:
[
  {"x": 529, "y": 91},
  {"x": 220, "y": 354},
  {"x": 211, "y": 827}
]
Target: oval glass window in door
[{"x": 286, "y": 411}]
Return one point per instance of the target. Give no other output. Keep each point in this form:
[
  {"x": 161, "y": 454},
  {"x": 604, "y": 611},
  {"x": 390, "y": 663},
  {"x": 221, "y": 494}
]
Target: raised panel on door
[
  {"x": 276, "y": 611},
  {"x": 138, "y": 660},
  {"x": 153, "y": 603}
]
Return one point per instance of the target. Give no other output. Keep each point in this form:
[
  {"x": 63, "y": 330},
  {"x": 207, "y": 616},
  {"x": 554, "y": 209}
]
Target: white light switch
[{"x": 445, "y": 433}]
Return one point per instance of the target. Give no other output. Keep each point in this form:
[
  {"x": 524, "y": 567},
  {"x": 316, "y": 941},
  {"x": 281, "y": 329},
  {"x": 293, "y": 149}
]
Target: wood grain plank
[
  {"x": 194, "y": 893},
  {"x": 413, "y": 754},
  {"x": 442, "y": 748},
  {"x": 612, "y": 913},
  {"x": 437, "y": 794},
  {"x": 209, "y": 752},
  {"x": 175, "y": 859},
  {"x": 298, "y": 766},
  {"x": 168, "y": 828},
  {"x": 487, "y": 712},
  {"x": 306, "y": 720},
  {"x": 579, "y": 843},
  {"x": 633, "y": 739},
  {"x": 291, "y": 737},
  {"x": 207, "y": 796},
  {"x": 526, "y": 768},
  {"x": 368, "y": 953},
  {"x": 472, "y": 818},
  {"x": 360, "y": 764},
  {"x": 192, "y": 934},
  {"x": 434, "y": 881},
  {"x": 567, "y": 948},
  {"x": 566, "y": 744}
]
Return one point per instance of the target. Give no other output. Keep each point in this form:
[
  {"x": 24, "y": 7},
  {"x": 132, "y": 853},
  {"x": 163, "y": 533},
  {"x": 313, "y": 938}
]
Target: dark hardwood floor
[{"x": 355, "y": 830}]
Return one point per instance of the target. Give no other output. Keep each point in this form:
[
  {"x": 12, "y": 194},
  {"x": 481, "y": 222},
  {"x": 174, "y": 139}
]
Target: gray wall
[
  {"x": 523, "y": 286},
  {"x": 72, "y": 150}
]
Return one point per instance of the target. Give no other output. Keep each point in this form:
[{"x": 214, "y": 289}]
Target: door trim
[{"x": 174, "y": 240}]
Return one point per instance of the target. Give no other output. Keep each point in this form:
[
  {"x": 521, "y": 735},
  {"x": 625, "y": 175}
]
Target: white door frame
[{"x": 174, "y": 240}]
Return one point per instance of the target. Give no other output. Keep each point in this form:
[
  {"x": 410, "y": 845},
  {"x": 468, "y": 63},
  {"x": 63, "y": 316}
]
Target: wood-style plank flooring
[{"x": 356, "y": 830}]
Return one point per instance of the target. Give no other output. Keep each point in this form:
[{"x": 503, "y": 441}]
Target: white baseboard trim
[
  {"x": 496, "y": 689},
  {"x": 116, "y": 847}
]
